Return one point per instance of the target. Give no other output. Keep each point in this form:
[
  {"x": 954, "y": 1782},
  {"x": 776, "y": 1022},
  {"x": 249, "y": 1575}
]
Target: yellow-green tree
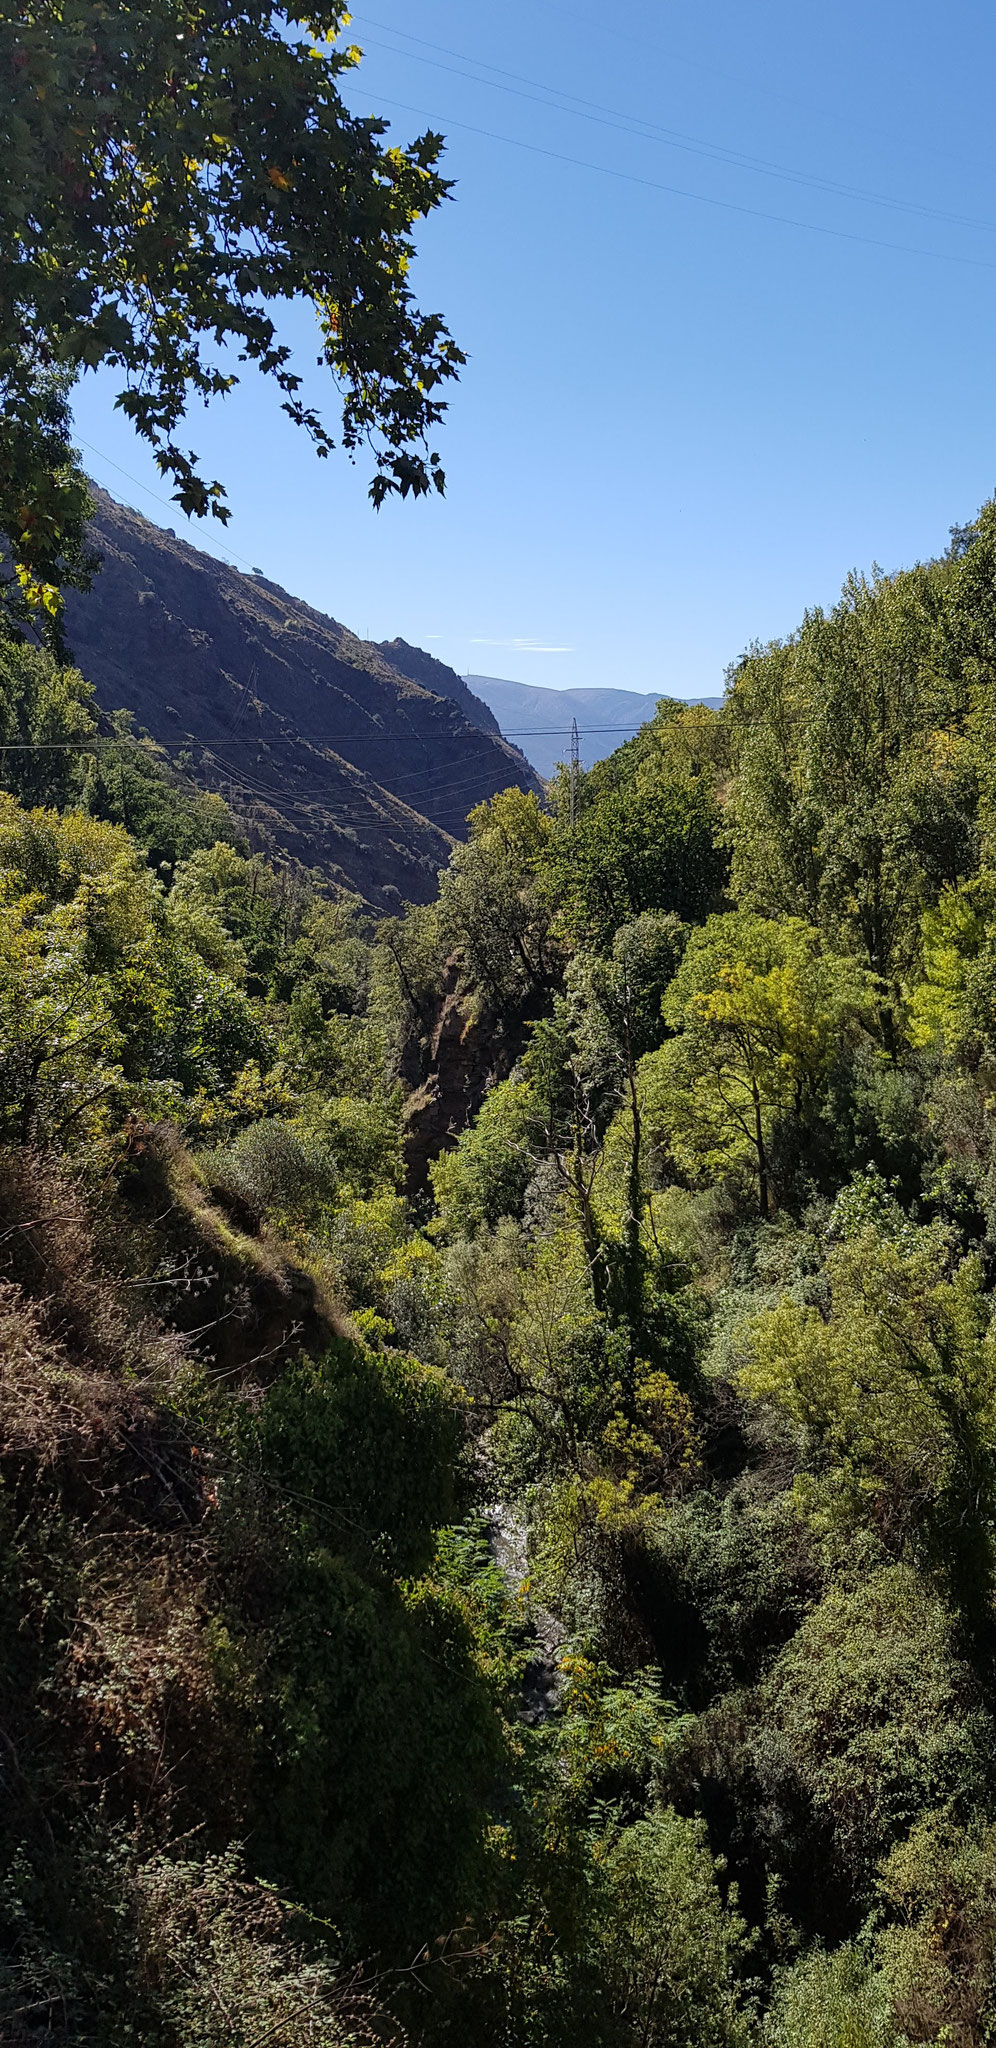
[
  {"x": 953, "y": 1008},
  {"x": 893, "y": 1392},
  {"x": 105, "y": 1003},
  {"x": 760, "y": 1011}
]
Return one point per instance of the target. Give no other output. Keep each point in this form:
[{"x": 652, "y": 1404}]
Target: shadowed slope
[{"x": 316, "y": 740}]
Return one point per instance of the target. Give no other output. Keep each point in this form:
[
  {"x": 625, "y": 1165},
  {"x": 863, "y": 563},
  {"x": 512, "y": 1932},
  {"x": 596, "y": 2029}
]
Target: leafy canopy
[
  {"x": 173, "y": 172},
  {"x": 761, "y": 1011},
  {"x": 893, "y": 1390},
  {"x": 645, "y": 838},
  {"x": 855, "y": 794}
]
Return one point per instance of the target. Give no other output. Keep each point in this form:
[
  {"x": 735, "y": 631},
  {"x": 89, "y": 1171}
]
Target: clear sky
[{"x": 726, "y": 275}]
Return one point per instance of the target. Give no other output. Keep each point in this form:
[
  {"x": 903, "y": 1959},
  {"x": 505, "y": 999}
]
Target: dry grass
[
  {"x": 54, "y": 1412},
  {"x": 139, "y": 1682}
]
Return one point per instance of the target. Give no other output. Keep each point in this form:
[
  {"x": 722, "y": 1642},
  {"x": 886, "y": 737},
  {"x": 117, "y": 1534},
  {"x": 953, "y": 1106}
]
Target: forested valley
[{"x": 498, "y": 1403}]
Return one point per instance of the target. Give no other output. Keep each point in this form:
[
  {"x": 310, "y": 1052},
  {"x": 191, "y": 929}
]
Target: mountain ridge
[
  {"x": 322, "y": 745},
  {"x": 539, "y": 718}
]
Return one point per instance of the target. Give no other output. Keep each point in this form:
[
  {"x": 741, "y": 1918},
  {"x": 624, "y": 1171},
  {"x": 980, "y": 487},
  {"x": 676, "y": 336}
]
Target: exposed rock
[
  {"x": 468, "y": 1051},
  {"x": 440, "y": 679},
  {"x": 318, "y": 742}
]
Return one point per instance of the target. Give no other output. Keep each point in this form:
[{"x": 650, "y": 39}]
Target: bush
[
  {"x": 486, "y": 1175},
  {"x": 939, "y": 1956},
  {"x": 870, "y": 1718},
  {"x": 892, "y": 1389},
  {"x": 674, "y": 1951},
  {"x": 729, "y": 1578},
  {"x": 271, "y": 1169},
  {"x": 172, "y": 1952},
  {"x": 832, "y": 2001},
  {"x": 372, "y": 1439},
  {"x": 219, "y": 1963}
]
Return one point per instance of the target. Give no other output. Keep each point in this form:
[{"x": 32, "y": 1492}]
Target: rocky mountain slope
[
  {"x": 326, "y": 746},
  {"x": 539, "y": 720},
  {"x": 434, "y": 675}
]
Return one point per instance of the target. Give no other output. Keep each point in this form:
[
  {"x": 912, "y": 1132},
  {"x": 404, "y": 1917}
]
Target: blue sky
[{"x": 688, "y": 412}]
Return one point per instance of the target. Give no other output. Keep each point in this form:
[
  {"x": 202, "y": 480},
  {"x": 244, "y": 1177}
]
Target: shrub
[
  {"x": 728, "y": 1581},
  {"x": 939, "y": 1955},
  {"x": 218, "y": 1963},
  {"x": 486, "y": 1175},
  {"x": 272, "y": 1169},
  {"x": 871, "y": 1718},
  {"x": 674, "y": 1950},
  {"x": 832, "y": 2001},
  {"x": 892, "y": 1390}
]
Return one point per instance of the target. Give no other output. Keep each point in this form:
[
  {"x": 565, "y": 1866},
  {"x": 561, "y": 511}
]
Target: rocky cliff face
[
  {"x": 434, "y": 675},
  {"x": 317, "y": 740}
]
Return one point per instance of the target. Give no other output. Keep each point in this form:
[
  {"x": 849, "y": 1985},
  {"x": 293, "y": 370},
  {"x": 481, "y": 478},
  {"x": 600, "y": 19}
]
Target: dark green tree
[
  {"x": 44, "y": 498},
  {"x": 855, "y": 792},
  {"x": 172, "y": 174},
  {"x": 646, "y": 837}
]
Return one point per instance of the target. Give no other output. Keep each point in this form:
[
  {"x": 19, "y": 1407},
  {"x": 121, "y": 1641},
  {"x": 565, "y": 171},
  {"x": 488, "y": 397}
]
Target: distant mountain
[
  {"x": 539, "y": 720},
  {"x": 325, "y": 745}
]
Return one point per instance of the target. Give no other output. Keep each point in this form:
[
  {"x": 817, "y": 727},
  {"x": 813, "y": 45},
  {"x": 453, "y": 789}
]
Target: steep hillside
[
  {"x": 539, "y": 720},
  {"x": 434, "y": 675},
  {"x": 319, "y": 742}
]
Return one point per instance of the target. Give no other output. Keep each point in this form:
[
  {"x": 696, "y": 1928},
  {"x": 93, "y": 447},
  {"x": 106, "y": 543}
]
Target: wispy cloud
[{"x": 521, "y": 646}]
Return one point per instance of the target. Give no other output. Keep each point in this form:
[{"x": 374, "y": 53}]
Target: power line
[
  {"x": 443, "y": 796},
  {"x": 681, "y": 192},
  {"x": 308, "y": 740},
  {"x": 302, "y": 739},
  {"x": 324, "y": 738},
  {"x": 354, "y": 813},
  {"x": 169, "y": 503},
  {"x": 754, "y": 85},
  {"x": 635, "y": 124}
]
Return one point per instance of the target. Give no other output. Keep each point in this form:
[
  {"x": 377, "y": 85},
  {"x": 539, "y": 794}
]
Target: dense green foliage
[
  {"x": 171, "y": 174},
  {"x": 498, "y": 1407}
]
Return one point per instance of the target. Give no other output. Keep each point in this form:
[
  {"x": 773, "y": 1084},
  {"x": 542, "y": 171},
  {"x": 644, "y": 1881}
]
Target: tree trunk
[
  {"x": 762, "y": 1154},
  {"x": 634, "y": 1188}
]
